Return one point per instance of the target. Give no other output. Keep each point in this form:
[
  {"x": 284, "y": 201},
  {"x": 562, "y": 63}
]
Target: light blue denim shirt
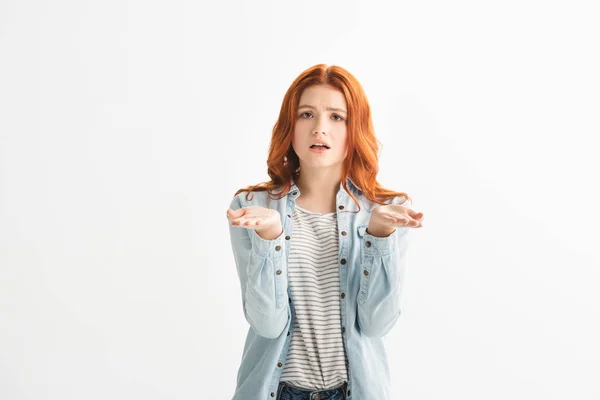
[{"x": 371, "y": 273}]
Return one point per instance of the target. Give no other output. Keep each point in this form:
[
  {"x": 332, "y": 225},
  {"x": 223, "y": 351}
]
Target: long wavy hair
[{"x": 361, "y": 163}]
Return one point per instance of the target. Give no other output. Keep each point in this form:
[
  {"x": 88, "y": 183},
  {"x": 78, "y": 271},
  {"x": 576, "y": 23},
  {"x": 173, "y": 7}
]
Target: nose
[{"x": 321, "y": 124}]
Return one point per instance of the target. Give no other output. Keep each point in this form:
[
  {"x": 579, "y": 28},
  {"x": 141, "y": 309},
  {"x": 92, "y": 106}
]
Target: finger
[
  {"x": 252, "y": 220},
  {"x": 242, "y": 221},
  {"x": 239, "y": 222},
  {"x": 236, "y": 213},
  {"x": 403, "y": 220},
  {"x": 391, "y": 215},
  {"x": 413, "y": 223},
  {"x": 248, "y": 221},
  {"x": 408, "y": 222},
  {"x": 407, "y": 216},
  {"x": 414, "y": 214}
]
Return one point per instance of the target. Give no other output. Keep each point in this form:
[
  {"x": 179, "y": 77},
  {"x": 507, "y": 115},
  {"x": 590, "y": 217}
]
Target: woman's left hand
[{"x": 390, "y": 216}]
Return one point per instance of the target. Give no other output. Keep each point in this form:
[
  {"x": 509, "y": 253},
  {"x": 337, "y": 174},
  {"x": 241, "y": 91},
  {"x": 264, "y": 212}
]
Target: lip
[
  {"x": 318, "y": 150},
  {"x": 320, "y": 142}
]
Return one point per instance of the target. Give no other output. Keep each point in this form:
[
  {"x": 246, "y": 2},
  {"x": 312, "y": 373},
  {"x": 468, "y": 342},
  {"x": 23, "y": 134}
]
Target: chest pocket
[{"x": 361, "y": 230}]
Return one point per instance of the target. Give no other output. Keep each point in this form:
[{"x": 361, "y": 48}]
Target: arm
[
  {"x": 383, "y": 260},
  {"x": 264, "y": 290}
]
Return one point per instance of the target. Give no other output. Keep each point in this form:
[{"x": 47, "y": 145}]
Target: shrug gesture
[{"x": 266, "y": 222}]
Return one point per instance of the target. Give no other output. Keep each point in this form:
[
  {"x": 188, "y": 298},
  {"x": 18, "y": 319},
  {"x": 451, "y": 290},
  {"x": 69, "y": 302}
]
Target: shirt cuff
[
  {"x": 375, "y": 245},
  {"x": 264, "y": 247}
]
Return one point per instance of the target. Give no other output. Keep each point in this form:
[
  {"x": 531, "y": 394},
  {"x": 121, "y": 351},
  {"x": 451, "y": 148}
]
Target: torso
[{"x": 316, "y": 357}]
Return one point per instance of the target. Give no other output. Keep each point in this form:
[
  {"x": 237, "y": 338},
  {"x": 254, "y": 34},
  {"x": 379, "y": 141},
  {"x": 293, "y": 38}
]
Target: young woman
[{"x": 320, "y": 250}]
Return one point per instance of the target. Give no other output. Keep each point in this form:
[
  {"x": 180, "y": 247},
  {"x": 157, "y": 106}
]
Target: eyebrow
[{"x": 328, "y": 108}]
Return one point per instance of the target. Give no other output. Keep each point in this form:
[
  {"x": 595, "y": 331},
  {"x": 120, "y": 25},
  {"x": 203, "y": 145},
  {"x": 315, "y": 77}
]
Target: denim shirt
[{"x": 371, "y": 273}]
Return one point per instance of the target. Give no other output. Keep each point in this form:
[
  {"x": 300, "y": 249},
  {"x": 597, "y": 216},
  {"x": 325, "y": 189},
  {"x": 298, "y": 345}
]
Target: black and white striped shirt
[{"x": 316, "y": 359}]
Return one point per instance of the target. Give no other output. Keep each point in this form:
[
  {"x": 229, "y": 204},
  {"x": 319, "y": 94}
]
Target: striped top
[{"x": 316, "y": 359}]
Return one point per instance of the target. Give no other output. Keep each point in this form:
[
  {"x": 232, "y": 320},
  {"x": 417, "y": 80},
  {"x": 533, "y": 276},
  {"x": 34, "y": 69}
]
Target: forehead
[{"x": 321, "y": 95}]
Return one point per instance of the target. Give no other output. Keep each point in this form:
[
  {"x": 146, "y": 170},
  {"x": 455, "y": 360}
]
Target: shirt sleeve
[
  {"x": 383, "y": 260},
  {"x": 262, "y": 270}
]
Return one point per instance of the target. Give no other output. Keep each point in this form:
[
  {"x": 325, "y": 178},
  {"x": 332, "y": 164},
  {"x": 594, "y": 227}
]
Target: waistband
[{"x": 312, "y": 394}]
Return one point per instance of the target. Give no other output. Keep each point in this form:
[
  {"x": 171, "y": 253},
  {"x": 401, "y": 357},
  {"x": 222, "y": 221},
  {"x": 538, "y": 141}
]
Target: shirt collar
[{"x": 349, "y": 182}]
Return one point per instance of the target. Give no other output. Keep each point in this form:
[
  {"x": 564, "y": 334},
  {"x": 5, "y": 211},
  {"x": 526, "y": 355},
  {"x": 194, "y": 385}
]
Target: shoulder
[
  {"x": 371, "y": 204},
  {"x": 399, "y": 200},
  {"x": 245, "y": 199}
]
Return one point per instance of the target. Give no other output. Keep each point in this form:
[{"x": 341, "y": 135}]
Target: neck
[{"x": 318, "y": 184}]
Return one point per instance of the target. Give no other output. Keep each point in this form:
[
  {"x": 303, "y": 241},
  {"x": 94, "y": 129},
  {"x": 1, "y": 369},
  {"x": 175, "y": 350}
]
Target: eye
[
  {"x": 340, "y": 118},
  {"x": 304, "y": 113}
]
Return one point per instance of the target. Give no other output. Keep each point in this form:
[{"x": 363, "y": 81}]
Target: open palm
[{"x": 254, "y": 217}]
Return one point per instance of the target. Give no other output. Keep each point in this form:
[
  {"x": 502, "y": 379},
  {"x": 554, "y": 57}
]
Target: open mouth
[{"x": 319, "y": 147}]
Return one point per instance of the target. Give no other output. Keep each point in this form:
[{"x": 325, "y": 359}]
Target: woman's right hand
[{"x": 266, "y": 222}]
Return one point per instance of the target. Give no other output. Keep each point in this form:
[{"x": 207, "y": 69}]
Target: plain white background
[{"x": 127, "y": 126}]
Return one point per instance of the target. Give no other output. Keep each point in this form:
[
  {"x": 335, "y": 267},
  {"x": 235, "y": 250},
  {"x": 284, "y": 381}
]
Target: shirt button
[
  {"x": 287, "y": 238},
  {"x": 279, "y": 364},
  {"x": 343, "y": 295},
  {"x": 341, "y": 207},
  {"x": 343, "y": 329},
  {"x": 366, "y": 272},
  {"x": 294, "y": 193},
  {"x": 288, "y": 333},
  {"x": 273, "y": 394},
  {"x": 368, "y": 244},
  {"x": 278, "y": 272},
  {"x": 349, "y": 392},
  {"x": 289, "y": 299},
  {"x": 343, "y": 261},
  {"x": 279, "y": 247},
  {"x": 343, "y": 233}
]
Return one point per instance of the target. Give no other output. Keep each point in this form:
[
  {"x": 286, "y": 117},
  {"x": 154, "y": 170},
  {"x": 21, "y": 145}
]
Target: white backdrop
[{"x": 126, "y": 127}]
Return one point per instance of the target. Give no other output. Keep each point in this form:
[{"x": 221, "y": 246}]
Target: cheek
[
  {"x": 342, "y": 142},
  {"x": 294, "y": 138},
  {"x": 296, "y": 143},
  {"x": 296, "y": 132}
]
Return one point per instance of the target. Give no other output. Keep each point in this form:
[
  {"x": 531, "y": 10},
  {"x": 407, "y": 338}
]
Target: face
[{"x": 322, "y": 115}]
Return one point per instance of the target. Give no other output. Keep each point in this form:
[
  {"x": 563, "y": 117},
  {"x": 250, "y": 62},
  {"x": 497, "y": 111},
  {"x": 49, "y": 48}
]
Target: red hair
[{"x": 361, "y": 163}]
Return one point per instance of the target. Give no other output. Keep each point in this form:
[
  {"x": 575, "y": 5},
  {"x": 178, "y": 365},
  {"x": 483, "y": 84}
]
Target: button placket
[
  {"x": 288, "y": 228},
  {"x": 343, "y": 273}
]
